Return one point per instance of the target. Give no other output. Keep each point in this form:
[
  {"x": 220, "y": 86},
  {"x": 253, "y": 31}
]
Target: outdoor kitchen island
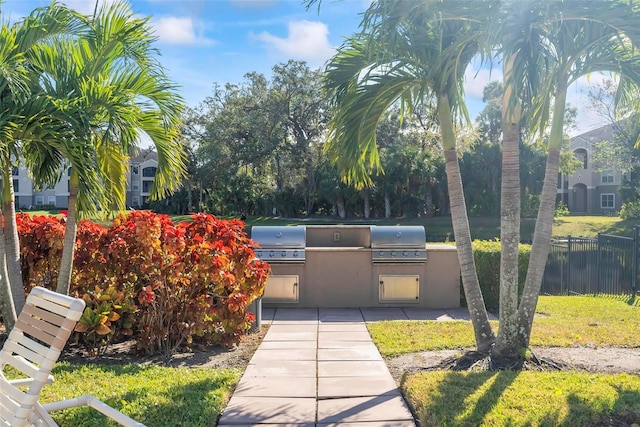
[{"x": 343, "y": 266}]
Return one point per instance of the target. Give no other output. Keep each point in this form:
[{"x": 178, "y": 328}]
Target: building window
[
  {"x": 136, "y": 201},
  {"x": 135, "y": 185},
  {"x": 149, "y": 172},
  {"x": 14, "y": 171},
  {"x": 608, "y": 177},
  {"x": 146, "y": 186},
  {"x": 134, "y": 170},
  {"x": 51, "y": 200},
  {"x": 16, "y": 185},
  {"x": 40, "y": 200},
  {"x": 69, "y": 172},
  {"x": 581, "y": 154},
  {"x": 608, "y": 201}
]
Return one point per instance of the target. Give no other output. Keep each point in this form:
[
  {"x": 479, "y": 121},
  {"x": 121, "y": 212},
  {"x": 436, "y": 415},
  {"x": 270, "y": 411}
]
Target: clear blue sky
[{"x": 203, "y": 42}]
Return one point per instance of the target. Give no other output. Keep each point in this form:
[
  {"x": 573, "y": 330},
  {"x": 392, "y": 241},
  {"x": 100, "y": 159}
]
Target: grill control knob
[
  {"x": 405, "y": 254},
  {"x": 283, "y": 254},
  {"x": 295, "y": 254},
  {"x": 393, "y": 253},
  {"x": 417, "y": 254},
  {"x": 381, "y": 253},
  {"x": 272, "y": 254}
]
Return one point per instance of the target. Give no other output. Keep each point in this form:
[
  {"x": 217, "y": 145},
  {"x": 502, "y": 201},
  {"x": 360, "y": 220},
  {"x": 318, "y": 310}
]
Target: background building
[
  {"x": 591, "y": 189},
  {"x": 142, "y": 171}
]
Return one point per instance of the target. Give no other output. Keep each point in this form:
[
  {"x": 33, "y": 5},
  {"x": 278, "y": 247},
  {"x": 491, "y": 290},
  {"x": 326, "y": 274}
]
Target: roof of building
[
  {"x": 603, "y": 133},
  {"x": 143, "y": 155}
]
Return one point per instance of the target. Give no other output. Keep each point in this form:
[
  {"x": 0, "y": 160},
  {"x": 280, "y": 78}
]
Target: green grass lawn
[
  {"x": 562, "y": 321},
  {"x": 439, "y": 229},
  {"x": 482, "y": 228},
  {"x": 509, "y": 398},
  {"x": 153, "y": 395}
]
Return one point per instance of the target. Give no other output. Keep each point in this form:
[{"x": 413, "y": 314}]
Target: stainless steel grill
[
  {"x": 398, "y": 244},
  {"x": 280, "y": 244}
]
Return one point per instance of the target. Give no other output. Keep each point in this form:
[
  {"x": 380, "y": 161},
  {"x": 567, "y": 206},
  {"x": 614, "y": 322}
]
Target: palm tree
[
  {"x": 580, "y": 39},
  {"x": 27, "y": 123},
  {"x": 408, "y": 52},
  {"x": 118, "y": 92}
]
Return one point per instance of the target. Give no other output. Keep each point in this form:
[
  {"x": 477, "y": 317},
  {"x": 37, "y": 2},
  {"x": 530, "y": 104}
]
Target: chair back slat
[
  {"x": 18, "y": 363},
  {"x": 36, "y": 346},
  {"x": 16, "y": 348},
  {"x": 36, "y": 329},
  {"x": 45, "y": 315},
  {"x": 32, "y": 348},
  {"x": 53, "y": 306}
]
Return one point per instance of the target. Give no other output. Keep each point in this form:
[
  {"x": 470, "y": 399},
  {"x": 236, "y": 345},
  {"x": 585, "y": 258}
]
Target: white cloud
[
  {"x": 178, "y": 30},
  {"x": 476, "y": 80},
  {"x": 87, "y": 7},
  {"x": 307, "y": 40}
]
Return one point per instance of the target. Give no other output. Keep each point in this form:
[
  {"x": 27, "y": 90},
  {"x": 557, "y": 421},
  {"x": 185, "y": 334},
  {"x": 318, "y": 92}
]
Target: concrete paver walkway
[{"x": 319, "y": 367}]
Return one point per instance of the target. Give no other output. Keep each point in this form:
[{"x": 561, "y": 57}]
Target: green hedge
[{"x": 486, "y": 254}]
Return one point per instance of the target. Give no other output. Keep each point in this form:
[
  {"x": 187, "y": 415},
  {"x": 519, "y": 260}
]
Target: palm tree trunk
[
  {"x": 342, "y": 212},
  {"x": 484, "y": 335},
  {"x": 70, "y": 230},
  {"x": 544, "y": 224},
  {"x": 507, "y": 342},
  {"x": 387, "y": 205},
  {"x": 367, "y": 203},
  {"x": 7, "y": 308},
  {"x": 11, "y": 240},
  {"x": 428, "y": 202}
]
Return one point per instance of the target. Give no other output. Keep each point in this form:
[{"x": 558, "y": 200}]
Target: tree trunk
[
  {"x": 7, "y": 308},
  {"x": 544, "y": 224},
  {"x": 342, "y": 213},
  {"x": 12, "y": 242},
  {"x": 387, "y": 205},
  {"x": 507, "y": 342},
  {"x": 428, "y": 202},
  {"x": 367, "y": 203},
  {"x": 484, "y": 335},
  {"x": 189, "y": 196},
  {"x": 69, "y": 245}
]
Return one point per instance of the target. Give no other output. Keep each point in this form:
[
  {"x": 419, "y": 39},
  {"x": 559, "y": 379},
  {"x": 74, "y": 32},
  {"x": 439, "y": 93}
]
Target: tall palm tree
[
  {"x": 408, "y": 52},
  {"x": 580, "y": 38},
  {"x": 118, "y": 91},
  {"x": 27, "y": 122}
]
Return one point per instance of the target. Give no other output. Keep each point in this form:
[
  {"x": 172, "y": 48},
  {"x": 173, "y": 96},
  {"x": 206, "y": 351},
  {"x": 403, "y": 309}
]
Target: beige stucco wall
[{"x": 345, "y": 276}]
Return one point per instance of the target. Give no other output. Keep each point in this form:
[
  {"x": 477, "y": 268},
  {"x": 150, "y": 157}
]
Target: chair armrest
[{"x": 25, "y": 382}]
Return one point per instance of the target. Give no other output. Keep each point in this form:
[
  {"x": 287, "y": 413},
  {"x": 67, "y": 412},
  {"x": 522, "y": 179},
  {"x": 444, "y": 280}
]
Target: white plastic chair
[{"x": 32, "y": 348}]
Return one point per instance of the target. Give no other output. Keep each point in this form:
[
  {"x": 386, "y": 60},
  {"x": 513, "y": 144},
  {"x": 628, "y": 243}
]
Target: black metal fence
[{"x": 606, "y": 265}]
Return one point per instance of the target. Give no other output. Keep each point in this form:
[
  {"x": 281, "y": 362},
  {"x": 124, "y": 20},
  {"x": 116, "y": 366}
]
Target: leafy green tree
[{"x": 266, "y": 132}]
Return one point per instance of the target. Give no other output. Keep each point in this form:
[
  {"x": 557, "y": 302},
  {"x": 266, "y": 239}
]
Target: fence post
[
  {"x": 598, "y": 265},
  {"x": 634, "y": 262},
  {"x": 569, "y": 283}
]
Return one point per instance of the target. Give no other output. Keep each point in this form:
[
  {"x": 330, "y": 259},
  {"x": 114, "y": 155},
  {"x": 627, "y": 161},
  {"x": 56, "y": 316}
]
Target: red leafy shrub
[
  {"x": 191, "y": 280},
  {"x": 40, "y": 249}
]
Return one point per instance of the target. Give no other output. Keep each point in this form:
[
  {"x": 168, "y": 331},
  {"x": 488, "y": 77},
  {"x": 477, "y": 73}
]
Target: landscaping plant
[{"x": 161, "y": 283}]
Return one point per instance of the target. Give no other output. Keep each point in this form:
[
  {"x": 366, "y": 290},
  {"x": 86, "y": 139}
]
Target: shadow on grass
[
  {"x": 470, "y": 399},
  {"x": 581, "y": 413},
  {"x": 196, "y": 403},
  {"x": 449, "y": 407}
]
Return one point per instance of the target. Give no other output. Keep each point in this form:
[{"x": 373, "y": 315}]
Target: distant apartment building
[
  {"x": 142, "y": 171},
  {"x": 591, "y": 189}
]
